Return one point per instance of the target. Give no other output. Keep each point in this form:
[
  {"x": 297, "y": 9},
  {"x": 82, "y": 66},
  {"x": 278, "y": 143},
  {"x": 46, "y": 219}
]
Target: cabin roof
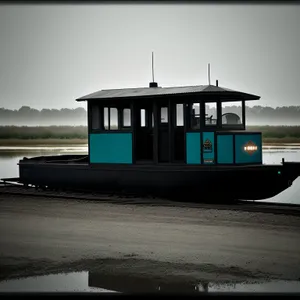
[{"x": 146, "y": 92}]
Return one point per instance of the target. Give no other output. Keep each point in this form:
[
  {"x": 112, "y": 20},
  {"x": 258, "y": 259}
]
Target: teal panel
[
  {"x": 209, "y": 154},
  {"x": 193, "y": 150},
  {"x": 225, "y": 149},
  {"x": 242, "y": 156},
  {"x": 111, "y": 148}
]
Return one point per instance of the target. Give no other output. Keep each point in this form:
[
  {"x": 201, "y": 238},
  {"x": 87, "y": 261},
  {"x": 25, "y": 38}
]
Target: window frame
[
  {"x": 212, "y": 127},
  {"x": 176, "y": 125},
  {"x": 216, "y": 125},
  {"x": 188, "y": 111},
  {"x": 101, "y": 123},
  {"x": 93, "y": 107},
  {"x": 241, "y": 126}
]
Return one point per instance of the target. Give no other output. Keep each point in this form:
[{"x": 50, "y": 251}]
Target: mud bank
[{"x": 44, "y": 235}]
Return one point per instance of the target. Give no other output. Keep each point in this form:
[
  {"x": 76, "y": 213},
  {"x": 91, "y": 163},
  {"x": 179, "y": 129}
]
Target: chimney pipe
[
  {"x": 153, "y": 84},
  {"x": 217, "y": 82}
]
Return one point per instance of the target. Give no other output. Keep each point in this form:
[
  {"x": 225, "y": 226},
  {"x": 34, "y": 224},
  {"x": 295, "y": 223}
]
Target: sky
[{"x": 52, "y": 54}]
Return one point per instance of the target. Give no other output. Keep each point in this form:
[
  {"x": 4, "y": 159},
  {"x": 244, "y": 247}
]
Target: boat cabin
[{"x": 191, "y": 125}]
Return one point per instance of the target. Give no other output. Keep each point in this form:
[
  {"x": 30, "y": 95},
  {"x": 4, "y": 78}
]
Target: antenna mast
[
  {"x": 152, "y": 67},
  {"x": 153, "y": 83},
  {"x": 209, "y": 74}
]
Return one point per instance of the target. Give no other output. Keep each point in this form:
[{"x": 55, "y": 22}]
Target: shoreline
[{"x": 84, "y": 142}]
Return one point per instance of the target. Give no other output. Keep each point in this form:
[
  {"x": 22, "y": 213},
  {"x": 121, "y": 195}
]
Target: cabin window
[
  {"x": 211, "y": 114},
  {"x": 113, "y": 120},
  {"x": 95, "y": 109},
  {"x": 152, "y": 118},
  {"x": 110, "y": 118},
  {"x": 106, "y": 118},
  {"x": 143, "y": 117},
  {"x": 195, "y": 116},
  {"x": 232, "y": 113},
  {"x": 164, "y": 114},
  {"x": 126, "y": 117},
  {"x": 179, "y": 114}
]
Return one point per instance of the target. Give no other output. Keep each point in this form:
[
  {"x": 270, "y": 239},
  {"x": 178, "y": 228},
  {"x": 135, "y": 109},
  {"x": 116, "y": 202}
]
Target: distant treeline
[
  {"x": 256, "y": 115},
  {"x": 278, "y": 132},
  {"x": 80, "y": 132},
  {"x": 285, "y": 115},
  {"x": 43, "y": 132},
  {"x": 45, "y": 117}
]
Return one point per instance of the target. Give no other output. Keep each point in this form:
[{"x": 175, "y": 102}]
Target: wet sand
[{"x": 47, "y": 235}]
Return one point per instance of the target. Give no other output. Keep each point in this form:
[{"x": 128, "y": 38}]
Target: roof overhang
[{"x": 208, "y": 92}]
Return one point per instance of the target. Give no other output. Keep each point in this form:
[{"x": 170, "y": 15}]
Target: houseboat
[{"x": 166, "y": 141}]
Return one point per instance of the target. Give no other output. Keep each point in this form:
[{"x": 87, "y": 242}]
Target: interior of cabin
[{"x": 159, "y": 124}]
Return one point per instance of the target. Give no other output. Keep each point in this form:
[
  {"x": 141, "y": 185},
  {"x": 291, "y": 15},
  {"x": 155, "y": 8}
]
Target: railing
[{"x": 210, "y": 120}]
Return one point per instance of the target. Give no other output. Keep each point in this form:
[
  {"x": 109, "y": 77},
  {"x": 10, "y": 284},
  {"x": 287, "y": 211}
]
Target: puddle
[
  {"x": 69, "y": 282},
  {"x": 95, "y": 282}
]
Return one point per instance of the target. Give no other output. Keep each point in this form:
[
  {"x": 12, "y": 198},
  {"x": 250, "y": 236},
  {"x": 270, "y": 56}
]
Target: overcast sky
[{"x": 51, "y": 55}]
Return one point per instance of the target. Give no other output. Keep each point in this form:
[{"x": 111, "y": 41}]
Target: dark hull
[{"x": 203, "y": 183}]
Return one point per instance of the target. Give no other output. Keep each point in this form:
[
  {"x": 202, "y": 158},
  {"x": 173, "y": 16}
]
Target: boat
[{"x": 178, "y": 142}]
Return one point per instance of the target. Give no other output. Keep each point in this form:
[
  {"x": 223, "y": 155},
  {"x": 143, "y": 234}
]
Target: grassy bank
[
  {"x": 43, "y": 132},
  {"x": 281, "y": 141},
  {"x": 277, "y": 132},
  {"x": 67, "y": 135}
]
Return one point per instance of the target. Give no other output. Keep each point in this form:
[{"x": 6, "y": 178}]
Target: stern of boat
[{"x": 290, "y": 170}]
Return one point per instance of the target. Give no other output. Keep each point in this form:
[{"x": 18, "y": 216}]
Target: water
[
  {"x": 97, "y": 282},
  {"x": 70, "y": 282},
  {"x": 274, "y": 155},
  {"x": 10, "y": 156}
]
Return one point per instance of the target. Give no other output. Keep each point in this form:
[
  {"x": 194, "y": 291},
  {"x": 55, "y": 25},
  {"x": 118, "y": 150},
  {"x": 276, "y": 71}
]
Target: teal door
[
  {"x": 208, "y": 147},
  {"x": 193, "y": 148}
]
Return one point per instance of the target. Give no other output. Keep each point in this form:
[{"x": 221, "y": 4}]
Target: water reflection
[
  {"x": 134, "y": 284},
  {"x": 97, "y": 282}
]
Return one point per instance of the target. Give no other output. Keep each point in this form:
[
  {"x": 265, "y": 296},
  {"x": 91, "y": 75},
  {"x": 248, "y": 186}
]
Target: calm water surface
[{"x": 10, "y": 156}]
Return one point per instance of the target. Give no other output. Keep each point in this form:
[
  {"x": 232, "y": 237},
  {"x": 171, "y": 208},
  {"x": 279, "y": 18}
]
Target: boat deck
[
  {"x": 84, "y": 160},
  {"x": 65, "y": 159}
]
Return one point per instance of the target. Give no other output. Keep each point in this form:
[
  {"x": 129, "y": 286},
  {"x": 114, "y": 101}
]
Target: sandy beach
[{"x": 47, "y": 235}]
